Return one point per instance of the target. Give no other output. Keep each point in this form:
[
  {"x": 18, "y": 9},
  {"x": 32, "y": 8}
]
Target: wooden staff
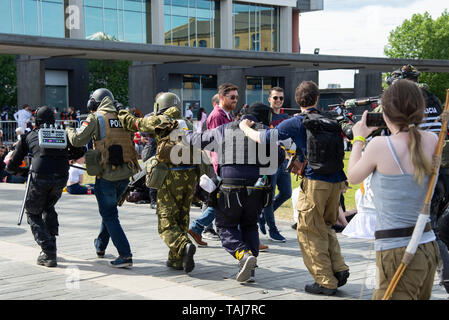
[{"x": 425, "y": 212}]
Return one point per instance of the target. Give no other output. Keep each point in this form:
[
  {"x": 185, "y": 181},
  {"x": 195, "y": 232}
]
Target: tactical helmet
[
  {"x": 97, "y": 96},
  {"x": 405, "y": 72},
  {"x": 165, "y": 101},
  {"x": 44, "y": 115}
]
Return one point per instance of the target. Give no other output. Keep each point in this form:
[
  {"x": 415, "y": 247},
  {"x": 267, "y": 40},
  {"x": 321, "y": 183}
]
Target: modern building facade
[{"x": 254, "y": 25}]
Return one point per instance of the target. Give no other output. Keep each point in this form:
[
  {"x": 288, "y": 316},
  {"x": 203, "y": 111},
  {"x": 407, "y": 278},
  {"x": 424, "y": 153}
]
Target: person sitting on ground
[
  {"x": 76, "y": 176},
  {"x": 343, "y": 216}
]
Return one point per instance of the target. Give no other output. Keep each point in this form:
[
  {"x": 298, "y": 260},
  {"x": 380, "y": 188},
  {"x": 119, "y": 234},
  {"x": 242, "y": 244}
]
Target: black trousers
[
  {"x": 236, "y": 218},
  {"x": 43, "y": 193}
]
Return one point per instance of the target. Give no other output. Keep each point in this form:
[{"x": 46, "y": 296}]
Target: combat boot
[
  {"x": 342, "y": 277},
  {"x": 187, "y": 257},
  {"x": 247, "y": 263},
  {"x": 47, "y": 260},
  {"x": 315, "y": 288}
]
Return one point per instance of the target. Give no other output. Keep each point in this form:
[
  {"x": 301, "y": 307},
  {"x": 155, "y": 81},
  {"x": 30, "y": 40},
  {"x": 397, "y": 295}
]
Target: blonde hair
[{"x": 403, "y": 103}]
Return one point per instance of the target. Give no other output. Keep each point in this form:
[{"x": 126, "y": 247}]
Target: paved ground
[{"x": 80, "y": 275}]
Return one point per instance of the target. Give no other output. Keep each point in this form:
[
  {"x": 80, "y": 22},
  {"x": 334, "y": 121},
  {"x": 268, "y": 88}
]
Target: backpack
[{"x": 325, "y": 148}]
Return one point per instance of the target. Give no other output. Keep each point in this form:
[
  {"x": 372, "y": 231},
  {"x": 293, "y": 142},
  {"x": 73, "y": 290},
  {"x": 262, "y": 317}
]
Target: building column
[
  {"x": 142, "y": 86},
  {"x": 30, "y": 81},
  {"x": 157, "y": 22},
  {"x": 285, "y": 29},
  {"x": 295, "y": 31},
  {"x": 367, "y": 84},
  {"x": 297, "y": 76},
  {"x": 226, "y": 38},
  {"x": 74, "y": 19}
]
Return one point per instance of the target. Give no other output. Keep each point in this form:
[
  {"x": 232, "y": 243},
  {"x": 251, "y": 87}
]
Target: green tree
[
  {"x": 110, "y": 74},
  {"x": 422, "y": 37},
  {"x": 8, "y": 82}
]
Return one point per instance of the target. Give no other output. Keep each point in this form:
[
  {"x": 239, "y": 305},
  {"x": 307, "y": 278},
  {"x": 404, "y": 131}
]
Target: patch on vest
[{"x": 115, "y": 123}]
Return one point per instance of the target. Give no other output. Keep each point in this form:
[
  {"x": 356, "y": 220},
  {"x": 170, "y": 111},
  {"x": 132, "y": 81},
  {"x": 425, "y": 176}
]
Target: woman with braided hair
[{"x": 401, "y": 165}]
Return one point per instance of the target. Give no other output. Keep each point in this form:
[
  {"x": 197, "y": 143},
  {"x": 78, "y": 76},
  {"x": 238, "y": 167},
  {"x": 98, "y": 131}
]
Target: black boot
[
  {"x": 315, "y": 288},
  {"x": 342, "y": 277},
  {"x": 47, "y": 260},
  {"x": 187, "y": 257}
]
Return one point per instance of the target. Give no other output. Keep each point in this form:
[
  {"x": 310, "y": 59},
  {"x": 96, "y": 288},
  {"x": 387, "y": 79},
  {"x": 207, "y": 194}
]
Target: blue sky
[{"x": 357, "y": 28}]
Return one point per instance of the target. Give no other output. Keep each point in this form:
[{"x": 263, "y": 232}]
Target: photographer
[
  {"x": 403, "y": 162},
  {"x": 319, "y": 192},
  {"x": 48, "y": 178}
]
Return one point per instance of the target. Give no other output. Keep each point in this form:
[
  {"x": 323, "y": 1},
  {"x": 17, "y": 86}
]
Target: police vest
[
  {"x": 431, "y": 121},
  {"x": 115, "y": 144},
  {"x": 236, "y": 148}
]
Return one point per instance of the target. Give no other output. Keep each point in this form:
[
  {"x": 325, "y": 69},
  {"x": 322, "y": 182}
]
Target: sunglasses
[
  {"x": 276, "y": 97},
  {"x": 233, "y": 97}
]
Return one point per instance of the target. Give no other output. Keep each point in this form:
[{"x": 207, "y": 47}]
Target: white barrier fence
[{"x": 9, "y": 129}]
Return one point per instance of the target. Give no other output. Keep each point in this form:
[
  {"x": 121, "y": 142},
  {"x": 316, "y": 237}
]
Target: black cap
[{"x": 261, "y": 111}]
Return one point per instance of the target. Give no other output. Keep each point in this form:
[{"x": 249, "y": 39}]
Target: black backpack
[{"x": 325, "y": 148}]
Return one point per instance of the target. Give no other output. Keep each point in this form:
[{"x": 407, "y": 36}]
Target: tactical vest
[
  {"x": 236, "y": 148},
  {"x": 45, "y": 160},
  {"x": 115, "y": 144},
  {"x": 165, "y": 143}
]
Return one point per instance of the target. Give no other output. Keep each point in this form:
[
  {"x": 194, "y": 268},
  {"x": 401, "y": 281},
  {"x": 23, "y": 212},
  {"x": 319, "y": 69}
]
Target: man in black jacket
[
  {"x": 244, "y": 189},
  {"x": 49, "y": 173}
]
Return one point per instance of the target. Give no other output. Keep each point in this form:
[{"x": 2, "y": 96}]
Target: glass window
[
  {"x": 32, "y": 17},
  {"x": 255, "y": 27},
  {"x": 56, "y": 96},
  {"x": 193, "y": 23},
  {"x": 195, "y": 90},
  {"x": 5, "y": 17},
  {"x": 258, "y": 88},
  {"x": 123, "y": 20}
]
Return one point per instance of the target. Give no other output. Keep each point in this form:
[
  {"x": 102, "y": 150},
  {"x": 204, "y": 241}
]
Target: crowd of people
[{"x": 237, "y": 187}]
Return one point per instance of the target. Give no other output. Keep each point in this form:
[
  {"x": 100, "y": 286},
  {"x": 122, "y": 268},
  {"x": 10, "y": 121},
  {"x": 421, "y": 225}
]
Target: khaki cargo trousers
[
  {"x": 317, "y": 207},
  {"x": 417, "y": 281}
]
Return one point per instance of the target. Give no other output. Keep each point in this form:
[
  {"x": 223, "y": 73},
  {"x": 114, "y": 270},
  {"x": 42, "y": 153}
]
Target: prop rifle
[{"x": 425, "y": 212}]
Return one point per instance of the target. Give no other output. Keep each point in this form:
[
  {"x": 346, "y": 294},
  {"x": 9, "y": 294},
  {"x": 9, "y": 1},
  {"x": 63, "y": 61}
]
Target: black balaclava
[
  {"x": 45, "y": 115},
  {"x": 260, "y": 111}
]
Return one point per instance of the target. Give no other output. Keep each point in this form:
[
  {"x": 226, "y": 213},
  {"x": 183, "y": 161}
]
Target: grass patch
[{"x": 285, "y": 212}]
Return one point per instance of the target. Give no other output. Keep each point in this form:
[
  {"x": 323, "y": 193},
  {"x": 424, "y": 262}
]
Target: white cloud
[{"x": 361, "y": 31}]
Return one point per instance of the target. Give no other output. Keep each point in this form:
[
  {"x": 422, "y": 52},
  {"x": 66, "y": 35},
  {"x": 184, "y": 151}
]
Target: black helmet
[
  {"x": 405, "y": 72},
  {"x": 261, "y": 111},
  {"x": 44, "y": 115},
  {"x": 97, "y": 96}
]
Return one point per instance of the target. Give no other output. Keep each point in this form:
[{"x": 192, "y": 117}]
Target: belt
[
  {"x": 398, "y": 233},
  {"x": 182, "y": 168},
  {"x": 239, "y": 182}
]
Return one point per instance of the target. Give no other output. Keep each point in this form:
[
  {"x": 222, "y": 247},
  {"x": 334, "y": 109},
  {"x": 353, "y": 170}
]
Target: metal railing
[{"x": 9, "y": 129}]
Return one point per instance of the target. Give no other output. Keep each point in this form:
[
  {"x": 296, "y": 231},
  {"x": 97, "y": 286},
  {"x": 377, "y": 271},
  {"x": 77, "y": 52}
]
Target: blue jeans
[
  {"x": 206, "y": 218},
  {"x": 79, "y": 189},
  {"x": 107, "y": 193},
  {"x": 283, "y": 180}
]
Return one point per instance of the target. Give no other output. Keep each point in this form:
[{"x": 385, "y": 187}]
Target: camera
[{"x": 375, "y": 119}]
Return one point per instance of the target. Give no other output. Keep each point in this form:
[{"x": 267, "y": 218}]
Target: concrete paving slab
[{"x": 80, "y": 275}]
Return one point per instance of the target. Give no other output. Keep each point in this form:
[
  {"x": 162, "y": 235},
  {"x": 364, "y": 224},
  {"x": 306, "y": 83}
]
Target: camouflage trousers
[{"x": 174, "y": 199}]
